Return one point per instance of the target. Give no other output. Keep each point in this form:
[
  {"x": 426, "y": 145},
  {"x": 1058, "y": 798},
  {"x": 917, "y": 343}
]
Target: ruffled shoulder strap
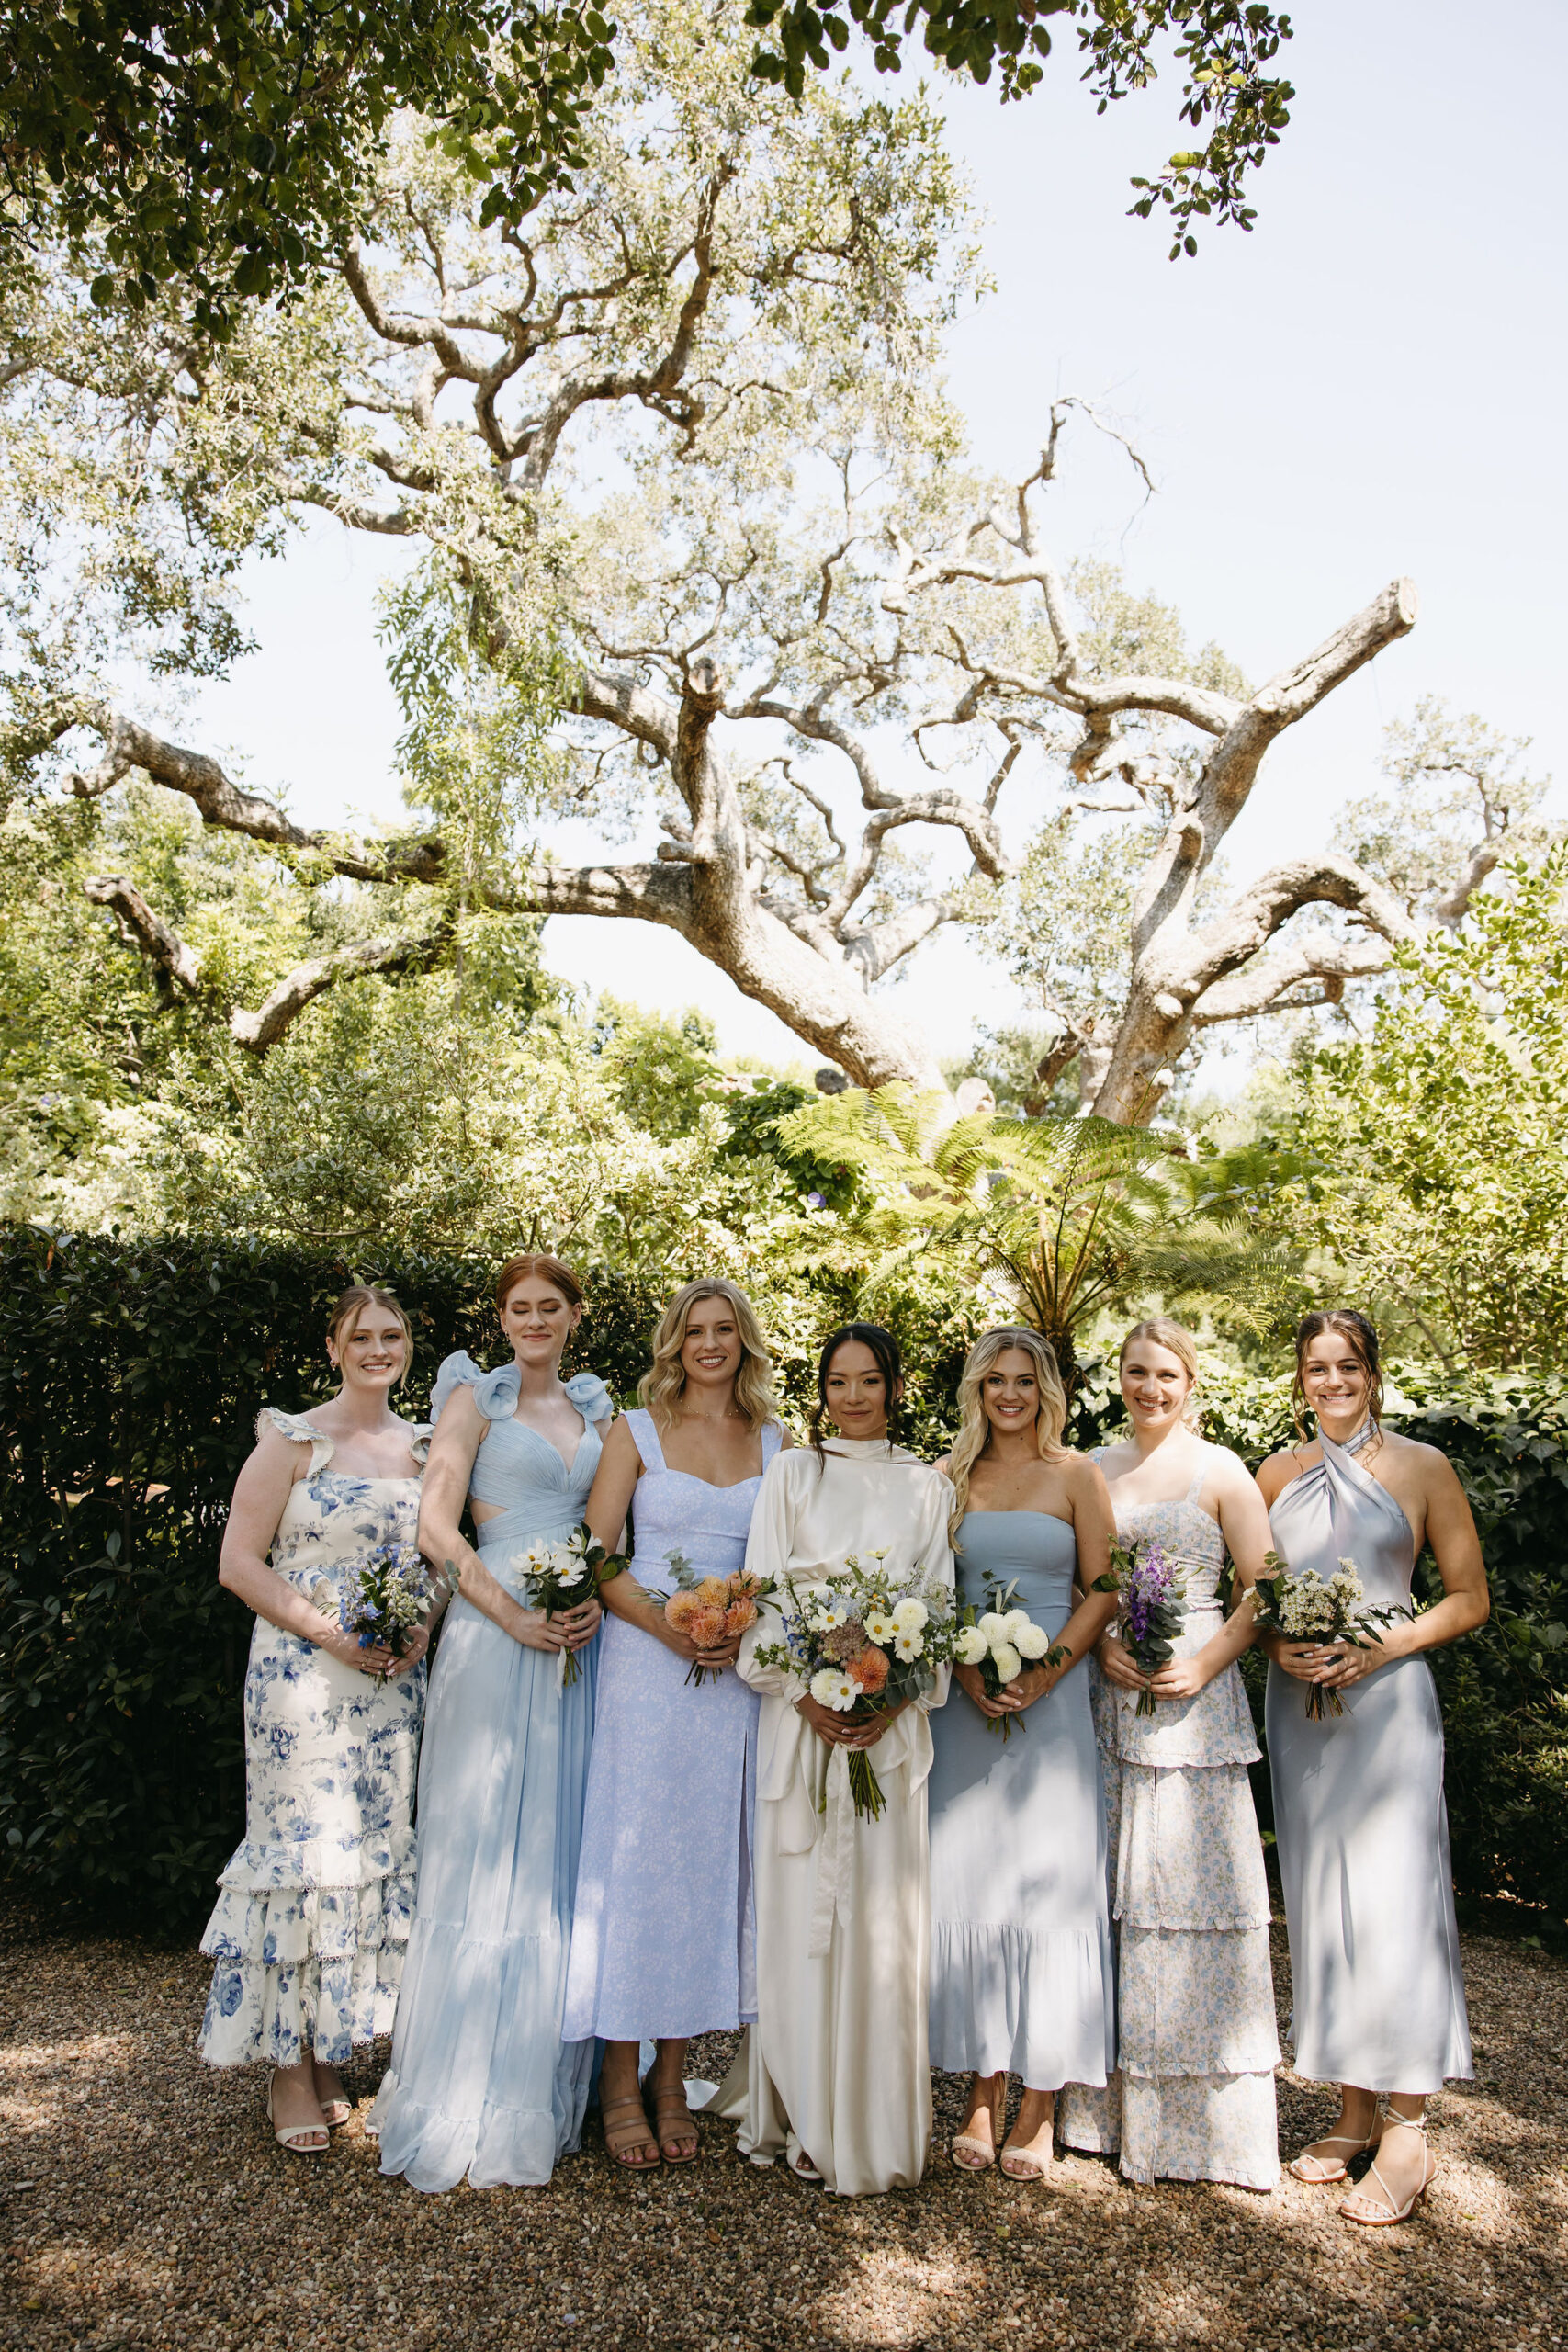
[
  {"x": 495, "y": 1393},
  {"x": 588, "y": 1393},
  {"x": 299, "y": 1432},
  {"x": 420, "y": 1435}
]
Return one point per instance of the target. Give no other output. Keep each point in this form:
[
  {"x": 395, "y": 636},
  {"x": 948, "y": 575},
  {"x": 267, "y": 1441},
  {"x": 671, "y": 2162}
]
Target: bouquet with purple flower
[
  {"x": 382, "y": 1601},
  {"x": 1153, "y": 1612}
]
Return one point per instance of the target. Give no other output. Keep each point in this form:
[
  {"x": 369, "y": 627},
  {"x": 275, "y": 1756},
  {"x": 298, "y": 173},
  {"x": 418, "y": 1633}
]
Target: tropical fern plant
[{"x": 1073, "y": 1217}]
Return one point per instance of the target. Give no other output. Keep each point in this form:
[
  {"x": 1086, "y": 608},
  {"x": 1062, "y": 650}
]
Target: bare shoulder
[
  {"x": 1227, "y": 1472},
  {"x": 276, "y": 1451},
  {"x": 1080, "y": 1474},
  {"x": 786, "y": 1437},
  {"x": 619, "y": 1440},
  {"x": 1428, "y": 1463},
  {"x": 1278, "y": 1471}
]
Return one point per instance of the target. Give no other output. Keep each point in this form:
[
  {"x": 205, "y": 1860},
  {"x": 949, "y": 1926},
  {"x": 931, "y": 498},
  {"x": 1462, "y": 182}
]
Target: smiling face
[
  {"x": 1334, "y": 1382},
  {"x": 712, "y": 1351},
  {"x": 1010, "y": 1393},
  {"x": 538, "y": 1321},
  {"x": 857, "y": 1396},
  {"x": 371, "y": 1352},
  {"x": 1156, "y": 1385}
]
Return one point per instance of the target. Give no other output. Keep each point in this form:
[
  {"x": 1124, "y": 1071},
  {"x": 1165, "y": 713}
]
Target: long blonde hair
[
  {"x": 663, "y": 1384},
  {"x": 1176, "y": 1341},
  {"x": 975, "y": 1430}
]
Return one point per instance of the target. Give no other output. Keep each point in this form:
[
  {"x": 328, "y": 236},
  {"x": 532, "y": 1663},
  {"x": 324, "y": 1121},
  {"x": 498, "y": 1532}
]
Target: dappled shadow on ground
[{"x": 142, "y": 2202}]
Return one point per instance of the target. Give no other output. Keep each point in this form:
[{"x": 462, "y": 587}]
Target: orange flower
[
  {"x": 705, "y": 1629},
  {"x": 680, "y": 1609},
  {"x": 869, "y": 1667},
  {"x": 714, "y": 1592},
  {"x": 740, "y": 1614}
]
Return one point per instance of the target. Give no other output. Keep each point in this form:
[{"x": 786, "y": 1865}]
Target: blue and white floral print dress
[{"x": 313, "y": 1915}]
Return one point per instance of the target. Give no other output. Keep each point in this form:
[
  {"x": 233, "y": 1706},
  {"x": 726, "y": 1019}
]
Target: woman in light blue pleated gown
[
  {"x": 481, "y": 2083},
  {"x": 1023, "y": 1980},
  {"x": 1359, "y": 1810}
]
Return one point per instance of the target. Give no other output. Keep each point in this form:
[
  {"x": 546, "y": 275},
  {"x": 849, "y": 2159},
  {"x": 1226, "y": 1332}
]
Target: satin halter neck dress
[
  {"x": 480, "y": 2081},
  {"x": 1023, "y": 1977},
  {"x": 312, "y": 1916},
  {"x": 1197, "y": 2038},
  {"x": 1360, "y": 1815},
  {"x": 663, "y": 1937}
]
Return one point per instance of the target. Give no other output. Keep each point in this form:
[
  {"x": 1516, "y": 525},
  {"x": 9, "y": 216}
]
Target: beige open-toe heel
[
  {"x": 1383, "y": 2217},
  {"x": 335, "y": 2110},
  {"x": 300, "y": 2139},
  {"x": 968, "y": 2151},
  {"x": 1329, "y": 2168}
]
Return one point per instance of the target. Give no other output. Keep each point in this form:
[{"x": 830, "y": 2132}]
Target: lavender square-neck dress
[{"x": 663, "y": 1937}]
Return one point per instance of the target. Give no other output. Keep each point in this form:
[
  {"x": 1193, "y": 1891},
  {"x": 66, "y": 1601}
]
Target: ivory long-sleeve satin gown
[
  {"x": 481, "y": 2082},
  {"x": 1358, "y": 1812},
  {"x": 838, "y": 2063}
]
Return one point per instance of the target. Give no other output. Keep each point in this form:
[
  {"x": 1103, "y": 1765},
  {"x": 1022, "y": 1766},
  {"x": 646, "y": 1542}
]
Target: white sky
[{"x": 1370, "y": 384}]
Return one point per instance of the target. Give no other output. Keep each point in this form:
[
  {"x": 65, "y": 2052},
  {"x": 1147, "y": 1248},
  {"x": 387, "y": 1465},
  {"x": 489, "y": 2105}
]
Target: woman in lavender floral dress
[
  {"x": 309, "y": 1933},
  {"x": 1196, "y": 2032}
]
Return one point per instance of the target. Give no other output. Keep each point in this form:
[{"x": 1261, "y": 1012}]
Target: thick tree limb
[
  {"x": 165, "y": 948},
  {"x": 1271, "y": 984}
]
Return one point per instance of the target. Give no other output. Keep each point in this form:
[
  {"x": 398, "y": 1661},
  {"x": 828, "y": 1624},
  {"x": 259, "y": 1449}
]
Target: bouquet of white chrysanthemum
[
  {"x": 1001, "y": 1640},
  {"x": 562, "y": 1574},
  {"x": 862, "y": 1644},
  {"x": 1305, "y": 1607}
]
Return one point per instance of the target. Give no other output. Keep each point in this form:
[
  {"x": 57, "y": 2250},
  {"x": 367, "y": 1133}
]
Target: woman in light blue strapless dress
[
  {"x": 663, "y": 1939},
  {"x": 1022, "y": 1976},
  {"x": 481, "y": 2082},
  {"x": 1359, "y": 1810}
]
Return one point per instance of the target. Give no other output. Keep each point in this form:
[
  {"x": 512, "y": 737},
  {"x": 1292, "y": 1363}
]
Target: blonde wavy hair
[
  {"x": 975, "y": 1430},
  {"x": 663, "y": 1384},
  {"x": 1178, "y": 1341}
]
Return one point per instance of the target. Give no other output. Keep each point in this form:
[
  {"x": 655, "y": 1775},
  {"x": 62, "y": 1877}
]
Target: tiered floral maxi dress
[
  {"x": 313, "y": 1922},
  {"x": 1197, "y": 2038}
]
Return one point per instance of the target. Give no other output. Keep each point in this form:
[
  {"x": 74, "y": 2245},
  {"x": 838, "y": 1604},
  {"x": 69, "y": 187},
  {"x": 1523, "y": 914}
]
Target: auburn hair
[
  {"x": 663, "y": 1384},
  {"x": 974, "y": 1427},
  {"x": 538, "y": 1266}
]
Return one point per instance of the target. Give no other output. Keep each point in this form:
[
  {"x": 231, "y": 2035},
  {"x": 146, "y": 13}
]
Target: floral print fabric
[{"x": 310, "y": 1928}]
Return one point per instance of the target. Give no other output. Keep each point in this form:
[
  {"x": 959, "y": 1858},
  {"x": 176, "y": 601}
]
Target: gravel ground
[{"x": 142, "y": 2202}]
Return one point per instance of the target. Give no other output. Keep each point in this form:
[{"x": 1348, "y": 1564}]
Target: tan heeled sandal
[
  {"x": 1324, "y": 2177},
  {"x": 684, "y": 2126},
  {"x": 1385, "y": 2217},
  {"x": 968, "y": 2151},
  {"x": 300, "y": 2139},
  {"x": 621, "y": 2138}
]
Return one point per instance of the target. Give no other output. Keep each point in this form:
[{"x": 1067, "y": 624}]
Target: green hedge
[{"x": 130, "y": 1375}]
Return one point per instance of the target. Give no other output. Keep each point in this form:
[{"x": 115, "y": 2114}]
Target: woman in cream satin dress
[
  {"x": 1358, "y": 1804},
  {"x": 836, "y": 2071}
]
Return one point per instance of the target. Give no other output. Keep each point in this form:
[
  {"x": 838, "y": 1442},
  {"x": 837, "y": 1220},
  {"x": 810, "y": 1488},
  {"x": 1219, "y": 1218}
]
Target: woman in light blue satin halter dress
[{"x": 481, "y": 2083}]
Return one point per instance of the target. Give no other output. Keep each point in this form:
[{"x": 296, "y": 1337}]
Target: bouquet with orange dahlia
[{"x": 711, "y": 1611}]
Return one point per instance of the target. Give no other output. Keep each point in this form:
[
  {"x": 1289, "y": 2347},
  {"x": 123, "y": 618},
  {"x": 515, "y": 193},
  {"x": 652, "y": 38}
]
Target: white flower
[
  {"x": 1016, "y": 1621},
  {"x": 831, "y": 1687},
  {"x": 909, "y": 1615},
  {"x": 994, "y": 1628},
  {"x": 909, "y": 1644},
  {"x": 880, "y": 1627},
  {"x": 971, "y": 1648},
  {"x": 1007, "y": 1661},
  {"x": 1033, "y": 1642}
]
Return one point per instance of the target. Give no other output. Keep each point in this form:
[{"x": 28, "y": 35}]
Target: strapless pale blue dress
[
  {"x": 481, "y": 2082},
  {"x": 1362, "y": 1825},
  {"x": 1023, "y": 1977},
  {"x": 664, "y": 1942}
]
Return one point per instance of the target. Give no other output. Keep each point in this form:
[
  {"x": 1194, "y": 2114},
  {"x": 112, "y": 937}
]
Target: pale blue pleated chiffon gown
[
  {"x": 1023, "y": 1975},
  {"x": 1360, "y": 1819},
  {"x": 481, "y": 2082}
]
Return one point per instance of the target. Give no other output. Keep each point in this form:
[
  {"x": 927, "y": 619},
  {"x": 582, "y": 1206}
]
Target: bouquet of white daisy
[
  {"x": 862, "y": 1644},
  {"x": 561, "y": 1575},
  {"x": 1306, "y": 1607},
  {"x": 1001, "y": 1640}
]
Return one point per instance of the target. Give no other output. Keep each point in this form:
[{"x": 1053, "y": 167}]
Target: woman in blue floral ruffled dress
[
  {"x": 481, "y": 2083},
  {"x": 309, "y": 1933}
]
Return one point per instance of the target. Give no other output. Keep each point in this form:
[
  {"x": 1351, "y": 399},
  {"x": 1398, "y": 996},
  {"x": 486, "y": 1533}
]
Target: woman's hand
[
  {"x": 570, "y": 1630},
  {"x": 1182, "y": 1678},
  {"x": 1119, "y": 1665},
  {"x": 1332, "y": 1666},
  {"x": 840, "y": 1730},
  {"x": 1014, "y": 1697},
  {"x": 419, "y": 1642},
  {"x": 341, "y": 1645}
]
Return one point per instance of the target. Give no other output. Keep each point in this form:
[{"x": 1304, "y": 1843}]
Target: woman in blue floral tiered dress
[{"x": 308, "y": 1932}]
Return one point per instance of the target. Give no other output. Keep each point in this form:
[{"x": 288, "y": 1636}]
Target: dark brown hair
[
  {"x": 538, "y": 1266},
  {"x": 889, "y": 1364},
  {"x": 1350, "y": 1325},
  {"x": 352, "y": 1302}
]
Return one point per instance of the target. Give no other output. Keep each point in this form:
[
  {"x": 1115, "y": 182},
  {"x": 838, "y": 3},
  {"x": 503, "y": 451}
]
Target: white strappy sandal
[
  {"x": 300, "y": 2139},
  {"x": 1325, "y": 2179},
  {"x": 1390, "y": 2214}
]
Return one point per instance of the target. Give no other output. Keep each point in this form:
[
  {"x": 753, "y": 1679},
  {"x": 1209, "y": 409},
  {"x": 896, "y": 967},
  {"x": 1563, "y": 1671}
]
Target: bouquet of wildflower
[
  {"x": 1151, "y": 1585},
  {"x": 391, "y": 1592},
  {"x": 1301, "y": 1606},
  {"x": 863, "y": 1645},
  {"x": 999, "y": 1640},
  {"x": 562, "y": 1574},
  {"x": 711, "y": 1610}
]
